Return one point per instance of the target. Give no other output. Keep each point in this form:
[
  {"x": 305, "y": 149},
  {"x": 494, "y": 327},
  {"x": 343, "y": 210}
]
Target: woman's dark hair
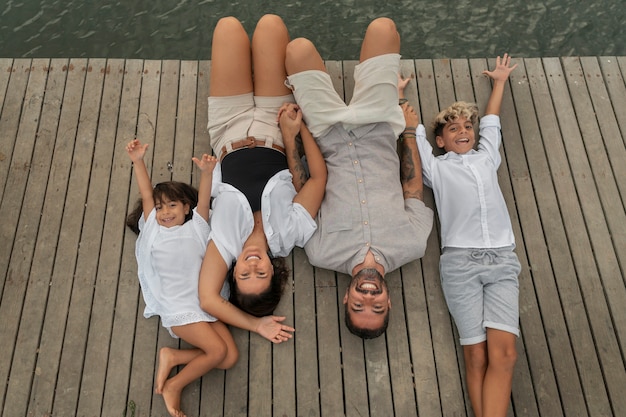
[
  {"x": 173, "y": 191},
  {"x": 265, "y": 303}
]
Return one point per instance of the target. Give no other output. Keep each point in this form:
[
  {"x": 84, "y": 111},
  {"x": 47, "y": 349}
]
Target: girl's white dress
[{"x": 168, "y": 264}]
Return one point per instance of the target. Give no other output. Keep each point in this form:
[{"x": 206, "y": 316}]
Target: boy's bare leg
[
  {"x": 475, "y": 367},
  {"x": 169, "y": 358},
  {"x": 231, "y": 66},
  {"x": 499, "y": 376},
  {"x": 204, "y": 337},
  {"x": 381, "y": 38},
  {"x": 269, "y": 43}
]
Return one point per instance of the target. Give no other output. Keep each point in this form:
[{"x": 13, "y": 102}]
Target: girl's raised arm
[
  {"x": 136, "y": 151},
  {"x": 206, "y": 166}
]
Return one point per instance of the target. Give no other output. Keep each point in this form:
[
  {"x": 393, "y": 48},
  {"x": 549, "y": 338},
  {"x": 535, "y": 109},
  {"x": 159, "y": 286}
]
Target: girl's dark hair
[
  {"x": 265, "y": 303},
  {"x": 173, "y": 191}
]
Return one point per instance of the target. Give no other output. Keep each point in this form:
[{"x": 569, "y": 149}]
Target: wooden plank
[
  {"x": 10, "y": 117},
  {"x": 328, "y": 324},
  {"x": 555, "y": 237},
  {"x": 95, "y": 296},
  {"x": 283, "y": 356},
  {"x": 26, "y": 235},
  {"x": 6, "y": 69},
  {"x": 124, "y": 315},
  {"x": 605, "y": 113},
  {"x": 444, "y": 344},
  {"x": 608, "y": 192},
  {"x": 260, "y": 374},
  {"x": 581, "y": 263},
  {"x": 144, "y": 348},
  {"x": 48, "y": 238},
  {"x": 97, "y": 160},
  {"x": 401, "y": 369},
  {"x": 236, "y": 390},
  {"x": 307, "y": 363},
  {"x": 14, "y": 262},
  {"x": 537, "y": 252},
  {"x": 56, "y": 382}
]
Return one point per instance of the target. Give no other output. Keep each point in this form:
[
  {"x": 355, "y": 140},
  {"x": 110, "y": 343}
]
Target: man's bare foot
[
  {"x": 166, "y": 363},
  {"x": 172, "y": 401}
]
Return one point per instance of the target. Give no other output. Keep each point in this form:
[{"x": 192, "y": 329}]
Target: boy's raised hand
[
  {"x": 136, "y": 150},
  {"x": 503, "y": 69},
  {"x": 206, "y": 164}
]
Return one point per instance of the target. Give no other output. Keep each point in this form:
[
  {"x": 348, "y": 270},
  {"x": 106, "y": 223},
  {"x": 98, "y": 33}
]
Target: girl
[
  {"x": 264, "y": 205},
  {"x": 170, "y": 247}
]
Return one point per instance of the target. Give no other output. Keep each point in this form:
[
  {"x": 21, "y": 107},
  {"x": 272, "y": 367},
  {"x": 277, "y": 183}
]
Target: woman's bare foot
[
  {"x": 166, "y": 363},
  {"x": 172, "y": 400}
]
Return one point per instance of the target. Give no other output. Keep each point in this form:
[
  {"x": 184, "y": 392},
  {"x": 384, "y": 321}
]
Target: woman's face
[{"x": 253, "y": 271}]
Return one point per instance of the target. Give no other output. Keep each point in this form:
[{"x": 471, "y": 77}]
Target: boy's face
[{"x": 457, "y": 136}]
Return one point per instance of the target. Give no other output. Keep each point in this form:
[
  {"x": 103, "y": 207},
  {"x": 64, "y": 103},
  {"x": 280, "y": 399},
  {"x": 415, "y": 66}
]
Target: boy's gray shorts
[{"x": 482, "y": 290}]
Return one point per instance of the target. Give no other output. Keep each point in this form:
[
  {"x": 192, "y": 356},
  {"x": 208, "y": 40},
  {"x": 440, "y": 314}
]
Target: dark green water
[{"x": 182, "y": 29}]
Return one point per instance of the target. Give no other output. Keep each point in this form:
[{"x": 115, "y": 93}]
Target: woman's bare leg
[
  {"x": 269, "y": 42},
  {"x": 231, "y": 67},
  {"x": 381, "y": 38},
  {"x": 303, "y": 56}
]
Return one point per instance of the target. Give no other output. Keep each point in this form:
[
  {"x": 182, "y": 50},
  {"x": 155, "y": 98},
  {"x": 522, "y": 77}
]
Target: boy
[{"x": 479, "y": 270}]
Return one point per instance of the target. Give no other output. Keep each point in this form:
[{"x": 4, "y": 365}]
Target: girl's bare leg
[
  {"x": 232, "y": 353},
  {"x": 231, "y": 67},
  {"x": 213, "y": 352},
  {"x": 269, "y": 42},
  {"x": 381, "y": 38},
  {"x": 169, "y": 358}
]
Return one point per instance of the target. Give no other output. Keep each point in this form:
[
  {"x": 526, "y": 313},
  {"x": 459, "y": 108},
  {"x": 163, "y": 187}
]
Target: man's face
[{"x": 367, "y": 299}]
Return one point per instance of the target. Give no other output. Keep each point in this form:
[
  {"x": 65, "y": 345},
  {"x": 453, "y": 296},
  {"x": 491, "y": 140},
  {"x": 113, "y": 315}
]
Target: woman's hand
[
  {"x": 289, "y": 120},
  {"x": 271, "y": 328}
]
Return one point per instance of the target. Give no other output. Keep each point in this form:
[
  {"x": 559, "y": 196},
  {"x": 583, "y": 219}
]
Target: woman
[{"x": 264, "y": 205}]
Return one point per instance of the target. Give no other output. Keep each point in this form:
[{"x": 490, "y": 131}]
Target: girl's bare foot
[
  {"x": 172, "y": 401},
  {"x": 166, "y": 363}
]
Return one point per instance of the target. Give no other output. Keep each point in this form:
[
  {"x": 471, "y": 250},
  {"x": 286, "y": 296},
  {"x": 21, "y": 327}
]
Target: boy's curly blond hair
[{"x": 456, "y": 110}]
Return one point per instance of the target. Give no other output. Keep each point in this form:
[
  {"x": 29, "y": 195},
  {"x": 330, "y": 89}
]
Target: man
[{"x": 371, "y": 222}]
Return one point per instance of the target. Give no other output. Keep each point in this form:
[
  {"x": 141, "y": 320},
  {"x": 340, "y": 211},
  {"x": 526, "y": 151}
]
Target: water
[{"x": 182, "y": 29}]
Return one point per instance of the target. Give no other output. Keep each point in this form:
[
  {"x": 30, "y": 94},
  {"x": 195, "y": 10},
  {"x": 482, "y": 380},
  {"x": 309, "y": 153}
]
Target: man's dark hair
[
  {"x": 265, "y": 303},
  {"x": 365, "y": 333}
]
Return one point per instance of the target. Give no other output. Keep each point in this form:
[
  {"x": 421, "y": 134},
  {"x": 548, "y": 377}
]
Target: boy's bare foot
[
  {"x": 166, "y": 363},
  {"x": 172, "y": 401}
]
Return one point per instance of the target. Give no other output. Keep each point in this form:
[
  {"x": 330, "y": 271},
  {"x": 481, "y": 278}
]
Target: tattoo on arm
[
  {"x": 408, "y": 172},
  {"x": 299, "y": 174}
]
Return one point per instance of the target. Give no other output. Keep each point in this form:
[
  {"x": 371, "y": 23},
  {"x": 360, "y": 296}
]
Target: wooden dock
[{"x": 73, "y": 340}]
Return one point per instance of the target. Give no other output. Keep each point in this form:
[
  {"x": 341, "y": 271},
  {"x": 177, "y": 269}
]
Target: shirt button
[
  {"x": 367, "y": 244},
  {"x": 360, "y": 180},
  {"x": 356, "y": 162},
  {"x": 365, "y": 222},
  {"x": 362, "y": 201},
  {"x": 377, "y": 258},
  {"x": 349, "y": 143}
]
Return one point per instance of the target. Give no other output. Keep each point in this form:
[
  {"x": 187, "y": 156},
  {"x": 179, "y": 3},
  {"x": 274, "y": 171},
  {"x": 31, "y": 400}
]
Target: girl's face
[
  {"x": 171, "y": 213},
  {"x": 253, "y": 271}
]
